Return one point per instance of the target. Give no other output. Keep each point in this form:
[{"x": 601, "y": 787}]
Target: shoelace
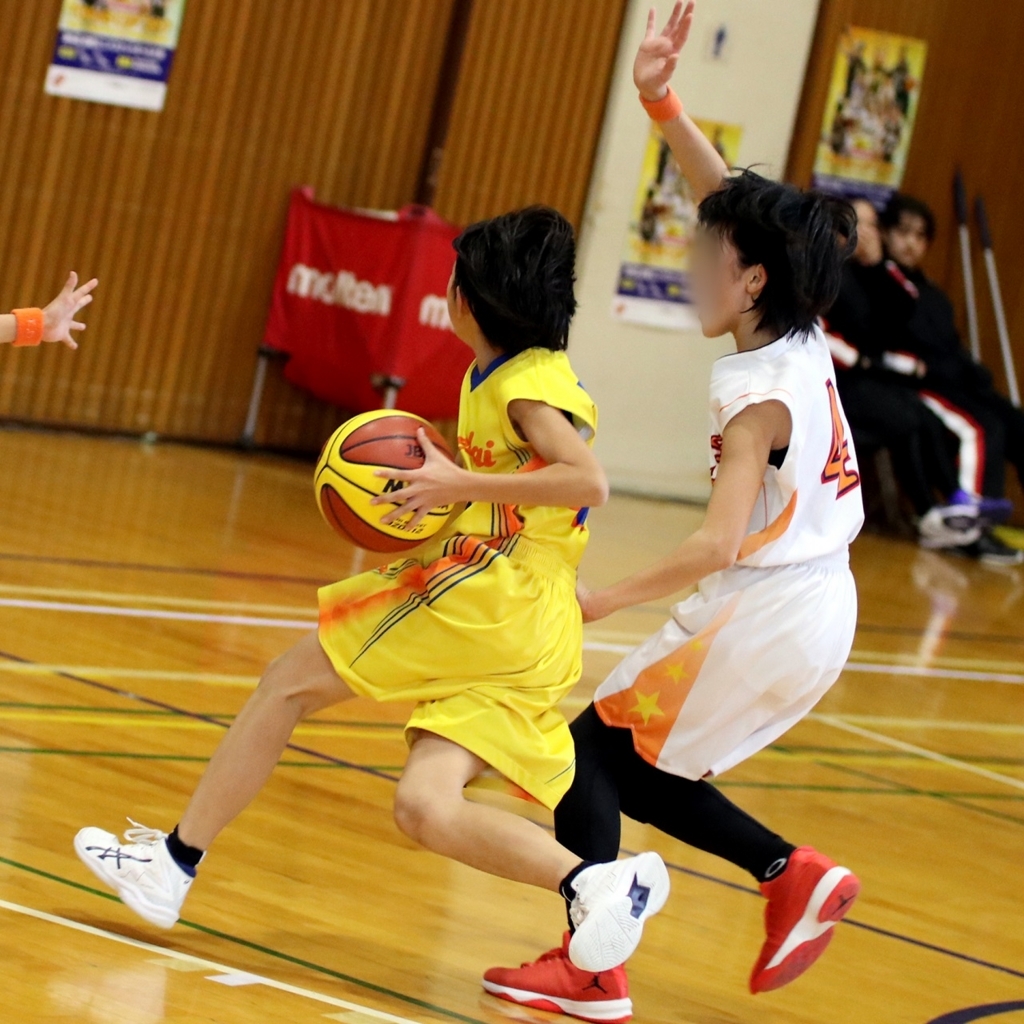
[
  {"x": 577, "y": 912},
  {"x": 142, "y": 835}
]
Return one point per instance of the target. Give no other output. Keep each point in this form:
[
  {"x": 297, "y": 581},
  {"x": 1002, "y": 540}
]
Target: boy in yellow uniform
[{"x": 482, "y": 630}]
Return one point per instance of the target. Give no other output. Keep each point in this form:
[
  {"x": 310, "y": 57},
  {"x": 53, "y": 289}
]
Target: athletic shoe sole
[
  {"x": 829, "y": 904},
  {"x": 609, "y": 935},
  {"x": 606, "y": 1011},
  {"x": 129, "y": 894}
]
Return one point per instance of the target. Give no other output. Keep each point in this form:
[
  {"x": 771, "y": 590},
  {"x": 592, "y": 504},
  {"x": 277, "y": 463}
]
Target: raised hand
[
  {"x": 59, "y": 316},
  {"x": 659, "y": 52}
]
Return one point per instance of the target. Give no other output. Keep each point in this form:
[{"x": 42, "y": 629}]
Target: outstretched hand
[
  {"x": 659, "y": 52},
  {"x": 438, "y": 482},
  {"x": 59, "y": 316}
]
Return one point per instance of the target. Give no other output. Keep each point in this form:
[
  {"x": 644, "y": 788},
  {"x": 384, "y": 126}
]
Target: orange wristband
[
  {"x": 30, "y": 327},
  {"x": 668, "y": 108}
]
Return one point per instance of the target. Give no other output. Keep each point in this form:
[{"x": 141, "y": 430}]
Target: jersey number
[{"x": 838, "y": 466}]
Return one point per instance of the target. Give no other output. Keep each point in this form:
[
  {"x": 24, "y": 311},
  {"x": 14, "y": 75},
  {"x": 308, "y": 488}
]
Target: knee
[
  {"x": 422, "y": 814},
  {"x": 280, "y": 686}
]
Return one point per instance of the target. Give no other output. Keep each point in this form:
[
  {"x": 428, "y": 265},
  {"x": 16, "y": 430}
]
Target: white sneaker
[
  {"x": 140, "y": 870},
  {"x": 612, "y": 902},
  {"x": 949, "y": 526}
]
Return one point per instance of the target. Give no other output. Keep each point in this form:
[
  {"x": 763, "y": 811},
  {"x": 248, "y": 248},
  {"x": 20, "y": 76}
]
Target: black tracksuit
[{"x": 872, "y": 316}]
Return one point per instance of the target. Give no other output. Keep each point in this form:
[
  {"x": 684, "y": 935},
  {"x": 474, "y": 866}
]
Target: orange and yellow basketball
[{"x": 346, "y": 480}]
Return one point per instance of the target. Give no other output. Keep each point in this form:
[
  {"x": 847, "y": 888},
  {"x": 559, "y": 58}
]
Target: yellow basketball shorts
[{"x": 485, "y": 636}]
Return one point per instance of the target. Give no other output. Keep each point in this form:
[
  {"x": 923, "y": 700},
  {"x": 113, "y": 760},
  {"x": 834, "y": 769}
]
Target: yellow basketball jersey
[{"x": 489, "y": 443}]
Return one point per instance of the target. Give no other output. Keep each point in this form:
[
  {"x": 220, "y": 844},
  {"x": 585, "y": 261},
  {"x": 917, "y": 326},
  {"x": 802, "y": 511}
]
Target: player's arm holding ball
[
  {"x": 656, "y": 60},
  {"x": 53, "y": 323},
  {"x": 571, "y": 478}
]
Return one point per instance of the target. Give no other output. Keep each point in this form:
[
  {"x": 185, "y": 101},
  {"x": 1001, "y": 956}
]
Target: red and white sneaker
[
  {"x": 805, "y": 903},
  {"x": 555, "y": 984}
]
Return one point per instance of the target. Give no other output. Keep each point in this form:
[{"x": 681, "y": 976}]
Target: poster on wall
[
  {"x": 869, "y": 114},
  {"x": 653, "y": 286},
  {"x": 115, "y": 51}
]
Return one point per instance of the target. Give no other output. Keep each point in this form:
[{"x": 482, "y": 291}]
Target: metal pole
[
  {"x": 965, "y": 264},
  {"x": 248, "y": 437},
  {"x": 997, "y": 302}
]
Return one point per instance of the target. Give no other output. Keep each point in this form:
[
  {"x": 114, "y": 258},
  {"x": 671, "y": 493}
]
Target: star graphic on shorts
[
  {"x": 647, "y": 706},
  {"x": 675, "y": 672}
]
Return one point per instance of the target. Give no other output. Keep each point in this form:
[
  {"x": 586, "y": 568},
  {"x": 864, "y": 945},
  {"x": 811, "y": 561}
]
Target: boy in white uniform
[{"x": 771, "y": 626}]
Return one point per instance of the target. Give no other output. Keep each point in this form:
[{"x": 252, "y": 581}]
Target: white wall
[{"x": 651, "y": 384}]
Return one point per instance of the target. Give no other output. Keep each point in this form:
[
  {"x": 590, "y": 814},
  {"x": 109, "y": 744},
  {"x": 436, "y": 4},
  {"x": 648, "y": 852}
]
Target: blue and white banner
[{"x": 115, "y": 51}]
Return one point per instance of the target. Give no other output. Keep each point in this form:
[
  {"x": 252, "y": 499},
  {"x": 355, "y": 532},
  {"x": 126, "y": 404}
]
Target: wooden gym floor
[{"x": 143, "y": 588}]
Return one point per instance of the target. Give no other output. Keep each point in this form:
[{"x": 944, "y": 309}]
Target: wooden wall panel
[
  {"x": 180, "y": 214},
  {"x": 529, "y": 107},
  {"x": 971, "y": 111}
]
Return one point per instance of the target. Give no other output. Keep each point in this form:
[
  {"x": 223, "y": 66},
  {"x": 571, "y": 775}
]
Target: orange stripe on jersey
[
  {"x": 652, "y": 705},
  {"x": 773, "y": 531}
]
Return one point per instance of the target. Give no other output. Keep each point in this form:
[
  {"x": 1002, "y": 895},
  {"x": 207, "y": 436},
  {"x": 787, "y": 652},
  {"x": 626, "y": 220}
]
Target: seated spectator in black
[
  {"x": 989, "y": 428},
  {"x": 863, "y": 329}
]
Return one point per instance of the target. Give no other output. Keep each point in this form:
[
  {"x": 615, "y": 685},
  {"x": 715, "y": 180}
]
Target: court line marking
[
  {"x": 211, "y": 965},
  {"x": 837, "y": 722},
  {"x": 277, "y": 954},
  {"x": 98, "y": 718},
  {"x": 114, "y": 596},
  {"x": 938, "y": 724},
  {"x": 953, "y": 799},
  {"x": 121, "y": 611},
  {"x": 132, "y": 755},
  {"x": 184, "y": 570},
  {"x": 878, "y": 737},
  {"x": 309, "y": 624},
  {"x": 692, "y": 872},
  {"x": 164, "y": 706},
  {"x": 166, "y": 675}
]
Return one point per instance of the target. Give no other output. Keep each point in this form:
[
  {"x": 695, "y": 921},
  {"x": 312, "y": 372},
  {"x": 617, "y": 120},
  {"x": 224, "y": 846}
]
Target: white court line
[
  {"x": 588, "y": 645},
  {"x": 870, "y": 667},
  {"x": 120, "y": 596},
  {"x": 911, "y": 748},
  {"x": 173, "y": 954},
  {"x": 156, "y": 613}
]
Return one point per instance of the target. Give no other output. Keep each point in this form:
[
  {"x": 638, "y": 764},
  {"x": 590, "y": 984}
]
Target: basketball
[{"x": 346, "y": 480}]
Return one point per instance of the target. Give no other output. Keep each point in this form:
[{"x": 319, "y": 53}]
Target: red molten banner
[{"x": 360, "y": 297}]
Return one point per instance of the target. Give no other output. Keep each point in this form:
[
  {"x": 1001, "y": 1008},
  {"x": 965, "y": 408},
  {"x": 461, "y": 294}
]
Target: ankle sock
[
  {"x": 186, "y": 857},
  {"x": 568, "y": 893}
]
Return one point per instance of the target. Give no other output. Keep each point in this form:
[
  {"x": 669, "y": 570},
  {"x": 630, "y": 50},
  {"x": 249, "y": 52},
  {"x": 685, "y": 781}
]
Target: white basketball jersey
[{"x": 811, "y": 505}]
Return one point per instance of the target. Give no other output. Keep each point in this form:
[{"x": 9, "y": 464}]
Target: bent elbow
[
  {"x": 723, "y": 555},
  {"x": 600, "y": 493}
]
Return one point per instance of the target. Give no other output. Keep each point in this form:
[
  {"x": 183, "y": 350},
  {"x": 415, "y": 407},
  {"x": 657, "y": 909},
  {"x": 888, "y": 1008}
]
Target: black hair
[
  {"x": 900, "y": 203},
  {"x": 516, "y": 273},
  {"x": 800, "y": 238}
]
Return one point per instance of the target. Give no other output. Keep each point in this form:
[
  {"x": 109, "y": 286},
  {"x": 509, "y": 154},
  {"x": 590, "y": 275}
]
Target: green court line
[
  {"x": 796, "y": 787},
  {"x": 914, "y": 791},
  {"x": 91, "y": 708},
  {"x": 862, "y": 752},
  {"x": 266, "y": 950},
  {"x": 185, "y": 757},
  {"x": 812, "y": 788}
]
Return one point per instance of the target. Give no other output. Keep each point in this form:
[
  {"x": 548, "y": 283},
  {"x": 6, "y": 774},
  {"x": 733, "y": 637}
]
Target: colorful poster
[
  {"x": 115, "y": 51},
  {"x": 869, "y": 114},
  {"x": 653, "y": 286}
]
